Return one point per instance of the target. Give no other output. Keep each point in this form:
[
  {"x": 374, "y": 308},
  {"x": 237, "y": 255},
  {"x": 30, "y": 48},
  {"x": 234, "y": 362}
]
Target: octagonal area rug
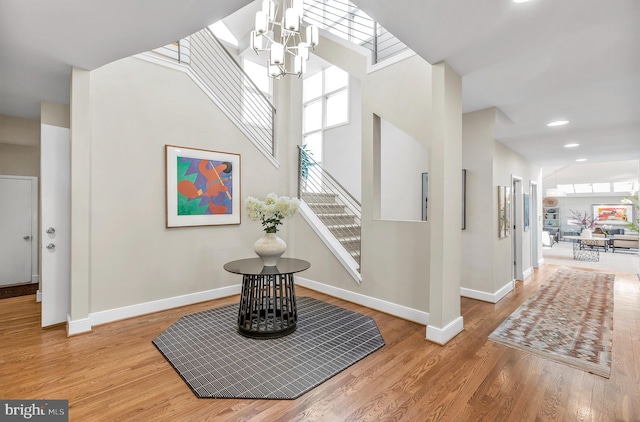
[{"x": 217, "y": 362}]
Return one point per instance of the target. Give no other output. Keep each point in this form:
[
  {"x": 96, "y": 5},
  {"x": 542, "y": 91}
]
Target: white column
[{"x": 445, "y": 187}]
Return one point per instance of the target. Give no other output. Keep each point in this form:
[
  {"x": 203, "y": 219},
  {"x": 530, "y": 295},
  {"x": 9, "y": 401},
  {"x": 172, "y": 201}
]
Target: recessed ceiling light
[
  {"x": 581, "y": 159},
  {"x": 571, "y": 145},
  {"x": 558, "y": 123},
  {"x": 520, "y": 1}
]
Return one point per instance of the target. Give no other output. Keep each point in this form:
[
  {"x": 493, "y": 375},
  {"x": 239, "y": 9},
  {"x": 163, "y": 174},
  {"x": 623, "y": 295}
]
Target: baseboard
[
  {"x": 443, "y": 335},
  {"x": 540, "y": 262},
  {"x": 111, "y": 315},
  {"x": 527, "y": 273},
  {"x": 79, "y": 326},
  {"x": 487, "y": 297},
  {"x": 400, "y": 311},
  {"x": 38, "y": 296}
]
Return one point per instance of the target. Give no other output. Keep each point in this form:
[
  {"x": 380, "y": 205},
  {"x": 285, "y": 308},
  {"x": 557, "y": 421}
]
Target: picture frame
[
  {"x": 202, "y": 187},
  {"x": 507, "y": 211},
  {"x": 526, "y": 207},
  {"x": 502, "y": 215},
  {"x": 464, "y": 199},
  {"x": 615, "y": 214},
  {"x": 425, "y": 195}
]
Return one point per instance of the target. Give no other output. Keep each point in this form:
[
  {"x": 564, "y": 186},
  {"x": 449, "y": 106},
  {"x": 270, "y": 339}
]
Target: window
[{"x": 325, "y": 97}]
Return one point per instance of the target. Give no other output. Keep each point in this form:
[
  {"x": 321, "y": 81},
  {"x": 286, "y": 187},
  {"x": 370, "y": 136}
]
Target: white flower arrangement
[{"x": 272, "y": 210}]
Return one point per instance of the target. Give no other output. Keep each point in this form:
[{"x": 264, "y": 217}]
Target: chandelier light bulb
[
  {"x": 291, "y": 20},
  {"x": 277, "y": 53},
  {"x": 261, "y": 22}
]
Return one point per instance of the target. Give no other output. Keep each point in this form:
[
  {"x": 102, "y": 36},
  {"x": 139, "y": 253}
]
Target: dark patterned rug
[
  {"x": 217, "y": 362},
  {"x": 569, "y": 320}
]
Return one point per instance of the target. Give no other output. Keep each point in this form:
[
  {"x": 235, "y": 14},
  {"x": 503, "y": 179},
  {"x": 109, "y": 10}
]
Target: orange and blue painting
[{"x": 204, "y": 186}]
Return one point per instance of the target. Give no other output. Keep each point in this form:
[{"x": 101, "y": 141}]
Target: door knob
[
  {"x": 51, "y": 246},
  {"x": 51, "y": 230},
  {"x": 26, "y": 237}
]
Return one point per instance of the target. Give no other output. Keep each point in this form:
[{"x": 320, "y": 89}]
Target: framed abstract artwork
[
  {"x": 203, "y": 187},
  {"x": 526, "y": 211},
  {"x": 507, "y": 211},
  {"x": 613, "y": 213},
  {"x": 502, "y": 212}
]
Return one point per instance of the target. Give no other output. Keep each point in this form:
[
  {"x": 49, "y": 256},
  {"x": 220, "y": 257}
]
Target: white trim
[
  {"x": 78, "y": 326},
  {"x": 540, "y": 262},
  {"x": 488, "y": 297},
  {"x": 442, "y": 335},
  {"x": 527, "y": 273},
  {"x": 38, "y": 296},
  {"x": 394, "y": 309},
  {"x": 152, "y": 58},
  {"x": 350, "y": 264},
  {"x": 111, "y": 315}
]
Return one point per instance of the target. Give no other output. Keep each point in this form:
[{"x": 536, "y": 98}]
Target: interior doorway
[
  {"x": 517, "y": 227},
  {"x": 19, "y": 228},
  {"x": 533, "y": 207}
]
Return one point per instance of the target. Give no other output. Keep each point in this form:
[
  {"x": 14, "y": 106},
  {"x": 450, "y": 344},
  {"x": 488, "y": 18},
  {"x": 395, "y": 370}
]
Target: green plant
[
  {"x": 305, "y": 161},
  {"x": 633, "y": 200}
]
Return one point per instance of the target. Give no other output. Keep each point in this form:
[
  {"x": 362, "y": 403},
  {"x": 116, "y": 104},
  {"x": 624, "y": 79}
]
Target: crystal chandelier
[{"x": 289, "y": 54}]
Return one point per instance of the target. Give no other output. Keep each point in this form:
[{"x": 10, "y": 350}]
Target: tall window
[
  {"x": 254, "y": 111},
  {"x": 325, "y": 105}
]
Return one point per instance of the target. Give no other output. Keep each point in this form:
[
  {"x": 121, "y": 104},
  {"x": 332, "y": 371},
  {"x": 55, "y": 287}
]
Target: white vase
[
  {"x": 270, "y": 248},
  {"x": 586, "y": 233}
]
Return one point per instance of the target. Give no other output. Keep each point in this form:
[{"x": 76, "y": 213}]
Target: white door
[
  {"x": 56, "y": 218},
  {"x": 16, "y": 232}
]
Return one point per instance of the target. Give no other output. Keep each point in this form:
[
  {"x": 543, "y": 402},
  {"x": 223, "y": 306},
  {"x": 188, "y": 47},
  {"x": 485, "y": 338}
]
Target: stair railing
[
  {"x": 243, "y": 101},
  {"x": 315, "y": 182},
  {"x": 217, "y": 72},
  {"x": 347, "y": 21}
]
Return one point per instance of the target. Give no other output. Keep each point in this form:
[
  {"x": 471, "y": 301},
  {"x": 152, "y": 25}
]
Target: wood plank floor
[{"x": 116, "y": 374}]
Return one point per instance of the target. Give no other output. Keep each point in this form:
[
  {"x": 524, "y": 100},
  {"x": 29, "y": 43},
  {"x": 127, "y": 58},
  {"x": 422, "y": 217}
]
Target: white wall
[
  {"x": 19, "y": 146},
  {"x": 405, "y": 159},
  {"x": 487, "y": 258},
  {"x": 342, "y": 154},
  {"x": 395, "y": 265},
  {"x": 481, "y": 226},
  {"x": 138, "y": 108},
  {"x": 508, "y": 163}
]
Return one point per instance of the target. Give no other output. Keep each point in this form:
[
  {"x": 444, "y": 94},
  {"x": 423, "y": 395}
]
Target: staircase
[
  {"x": 331, "y": 203},
  {"x": 342, "y": 223}
]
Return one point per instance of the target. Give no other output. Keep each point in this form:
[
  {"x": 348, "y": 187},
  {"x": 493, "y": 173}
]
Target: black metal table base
[
  {"x": 267, "y": 306},
  {"x": 586, "y": 251}
]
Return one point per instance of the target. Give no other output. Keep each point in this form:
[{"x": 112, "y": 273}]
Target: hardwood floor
[{"x": 116, "y": 374}]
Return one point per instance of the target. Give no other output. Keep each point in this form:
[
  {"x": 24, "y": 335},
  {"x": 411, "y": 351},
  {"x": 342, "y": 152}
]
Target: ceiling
[{"x": 539, "y": 61}]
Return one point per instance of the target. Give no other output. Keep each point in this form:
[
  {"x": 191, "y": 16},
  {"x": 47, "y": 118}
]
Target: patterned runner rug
[
  {"x": 215, "y": 361},
  {"x": 569, "y": 320}
]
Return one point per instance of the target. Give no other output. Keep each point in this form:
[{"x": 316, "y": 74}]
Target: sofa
[{"x": 626, "y": 241}]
